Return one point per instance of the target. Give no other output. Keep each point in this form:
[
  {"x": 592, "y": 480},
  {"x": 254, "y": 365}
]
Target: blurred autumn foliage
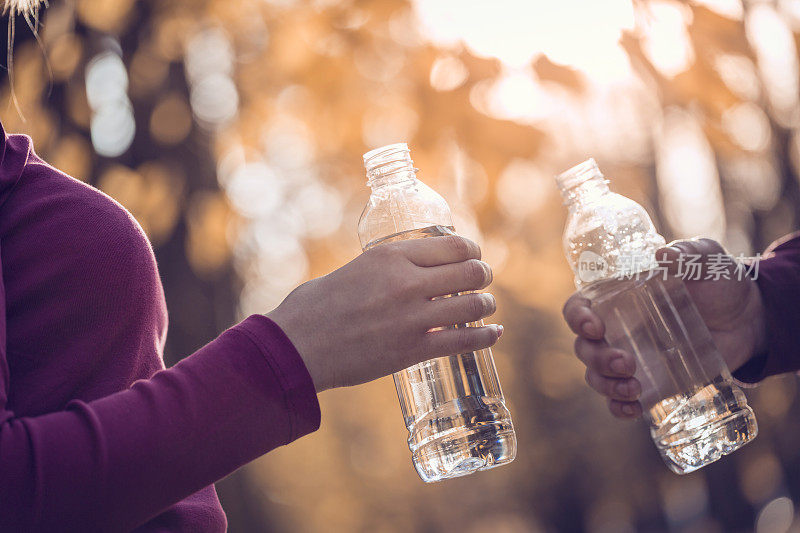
[{"x": 233, "y": 129}]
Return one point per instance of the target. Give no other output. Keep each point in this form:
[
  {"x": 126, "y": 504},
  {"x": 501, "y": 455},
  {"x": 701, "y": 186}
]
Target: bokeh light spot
[
  {"x": 448, "y": 73},
  {"x": 171, "y": 120}
]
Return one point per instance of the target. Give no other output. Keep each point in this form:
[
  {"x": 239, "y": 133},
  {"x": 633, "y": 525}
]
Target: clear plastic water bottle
[
  {"x": 453, "y": 406},
  {"x": 697, "y": 414}
]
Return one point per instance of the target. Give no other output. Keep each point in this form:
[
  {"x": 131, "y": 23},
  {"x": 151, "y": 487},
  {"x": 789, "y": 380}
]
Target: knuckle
[
  {"x": 480, "y": 305},
  {"x": 585, "y": 351},
  {"x": 489, "y": 304},
  {"x": 567, "y": 308},
  {"x": 458, "y": 245},
  {"x": 710, "y": 246},
  {"x": 579, "y": 347},
  {"x": 684, "y": 246},
  {"x": 383, "y": 253},
  {"x": 604, "y": 360},
  {"x": 476, "y": 272},
  {"x": 407, "y": 289},
  {"x": 398, "y": 283},
  {"x": 475, "y": 305},
  {"x": 596, "y": 382},
  {"x": 571, "y": 307}
]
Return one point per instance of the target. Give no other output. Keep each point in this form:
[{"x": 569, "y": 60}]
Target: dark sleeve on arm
[
  {"x": 113, "y": 463},
  {"x": 778, "y": 279}
]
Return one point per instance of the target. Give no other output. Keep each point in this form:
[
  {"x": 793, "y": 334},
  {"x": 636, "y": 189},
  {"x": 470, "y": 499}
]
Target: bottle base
[
  {"x": 695, "y": 448},
  {"x": 466, "y": 451}
]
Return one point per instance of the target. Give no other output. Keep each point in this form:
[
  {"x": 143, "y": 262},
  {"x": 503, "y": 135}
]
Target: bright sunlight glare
[{"x": 580, "y": 33}]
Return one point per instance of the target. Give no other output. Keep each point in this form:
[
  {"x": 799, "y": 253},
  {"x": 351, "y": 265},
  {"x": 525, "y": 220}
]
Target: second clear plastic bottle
[{"x": 697, "y": 414}]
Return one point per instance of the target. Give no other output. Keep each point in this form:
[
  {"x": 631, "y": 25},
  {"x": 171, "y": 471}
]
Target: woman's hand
[
  {"x": 373, "y": 316},
  {"x": 731, "y": 308}
]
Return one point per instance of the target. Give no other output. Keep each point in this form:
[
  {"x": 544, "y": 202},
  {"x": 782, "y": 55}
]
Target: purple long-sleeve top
[
  {"x": 778, "y": 279},
  {"x": 94, "y": 434}
]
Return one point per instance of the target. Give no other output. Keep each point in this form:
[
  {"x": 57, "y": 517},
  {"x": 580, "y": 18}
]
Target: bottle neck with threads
[
  {"x": 388, "y": 165},
  {"x": 582, "y": 184}
]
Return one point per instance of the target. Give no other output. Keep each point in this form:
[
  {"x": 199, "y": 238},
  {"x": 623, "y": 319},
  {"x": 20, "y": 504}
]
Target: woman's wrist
[{"x": 292, "y": 327}]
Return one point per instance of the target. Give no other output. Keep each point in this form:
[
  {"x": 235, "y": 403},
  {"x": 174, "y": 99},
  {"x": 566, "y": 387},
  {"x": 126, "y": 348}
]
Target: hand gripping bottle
[
  {"x": 453, "y": 407},
  {"x": 697, "y": 414}
]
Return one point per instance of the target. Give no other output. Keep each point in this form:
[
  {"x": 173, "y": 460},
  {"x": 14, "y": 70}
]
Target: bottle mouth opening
[
  {"x": 385, "y": 151},
  {"x": 578, "y": 175},
  {"x": 387, "y": 160}
]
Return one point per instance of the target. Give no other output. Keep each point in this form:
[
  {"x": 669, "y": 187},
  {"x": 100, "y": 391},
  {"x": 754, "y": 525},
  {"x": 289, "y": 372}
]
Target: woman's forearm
[{"x": 114, "y": 463}]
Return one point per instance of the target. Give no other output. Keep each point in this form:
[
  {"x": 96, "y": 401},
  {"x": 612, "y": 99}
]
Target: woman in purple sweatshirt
[
  {"x": 96, "y": 436},
  {"x": 755, "y": 322}
]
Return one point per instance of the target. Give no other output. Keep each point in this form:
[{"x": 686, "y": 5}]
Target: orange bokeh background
[{"x": 233, "y": 130}]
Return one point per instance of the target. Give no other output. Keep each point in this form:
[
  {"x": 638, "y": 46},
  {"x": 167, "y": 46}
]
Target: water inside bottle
[
  {"x": 696, "y": 428},
  {"x": 453, "y": 406},
  {"x": 697, "y": 413}
]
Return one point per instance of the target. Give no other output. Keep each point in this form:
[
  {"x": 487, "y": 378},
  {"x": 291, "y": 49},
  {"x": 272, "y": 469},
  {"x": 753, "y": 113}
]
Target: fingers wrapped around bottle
[{"x": 608, "y": 371}]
